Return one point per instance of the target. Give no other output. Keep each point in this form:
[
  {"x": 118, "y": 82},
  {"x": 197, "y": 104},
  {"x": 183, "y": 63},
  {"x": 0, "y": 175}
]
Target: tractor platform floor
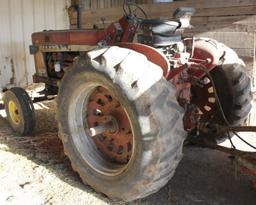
[{"x": 34, "y": 170}]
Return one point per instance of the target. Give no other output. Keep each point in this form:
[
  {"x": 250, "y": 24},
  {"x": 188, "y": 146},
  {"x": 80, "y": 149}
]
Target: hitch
[
  {"x": 220, "y": 129},
  {"x": 246, "y": 161}
]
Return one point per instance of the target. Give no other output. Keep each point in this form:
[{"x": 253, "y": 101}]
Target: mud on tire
[{"x": 155, "y": 117}]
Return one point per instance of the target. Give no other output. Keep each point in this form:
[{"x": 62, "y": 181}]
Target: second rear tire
[{"x": 233, "y": 86}]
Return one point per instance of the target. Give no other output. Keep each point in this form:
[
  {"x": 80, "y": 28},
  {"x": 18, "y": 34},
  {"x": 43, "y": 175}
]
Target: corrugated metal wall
[{"x": 18, "y": 20}]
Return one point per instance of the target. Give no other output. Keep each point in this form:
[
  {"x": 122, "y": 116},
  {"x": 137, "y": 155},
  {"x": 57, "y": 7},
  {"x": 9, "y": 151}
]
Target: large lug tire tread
[
  {"x": 25, "y": 105},
  {"x": 161, "y": 148},
  {"x": 233, "y": 86},
  {"x": 239, "y": 87}
]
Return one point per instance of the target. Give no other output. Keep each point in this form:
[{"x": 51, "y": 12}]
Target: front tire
[
  {"x": 20, "y": 111},
  {"x": 155, "y": 120}
]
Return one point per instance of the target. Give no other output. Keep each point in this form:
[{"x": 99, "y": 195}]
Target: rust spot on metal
[
  {"x": 117, "y": 145},
  {"x": 12, "y": 79}
]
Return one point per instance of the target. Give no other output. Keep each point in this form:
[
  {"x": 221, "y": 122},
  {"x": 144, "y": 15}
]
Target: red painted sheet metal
[
  {"x": 75, "y": 37},
  {"x": 85, "y": 36},
  {"x": 206, "y": 49}
]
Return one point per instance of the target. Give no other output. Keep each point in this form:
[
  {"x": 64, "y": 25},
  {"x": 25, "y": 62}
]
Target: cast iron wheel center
[
  {"x": 204, "y": 99},
  {"x": 14, "y": 112},
  {"x": 108, "y": 121}
]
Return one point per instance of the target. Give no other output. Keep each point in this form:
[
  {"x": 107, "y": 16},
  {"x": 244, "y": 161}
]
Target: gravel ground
[{"x": 35, "y": 171}]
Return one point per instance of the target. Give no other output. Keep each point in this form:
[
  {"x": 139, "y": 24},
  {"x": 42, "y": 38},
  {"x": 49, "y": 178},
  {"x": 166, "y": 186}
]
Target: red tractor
[{"x": 124, "y": 108}]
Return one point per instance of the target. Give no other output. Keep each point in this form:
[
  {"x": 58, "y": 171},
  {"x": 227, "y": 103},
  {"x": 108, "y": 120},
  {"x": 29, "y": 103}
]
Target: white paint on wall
[{"x": 18, "y": 20}]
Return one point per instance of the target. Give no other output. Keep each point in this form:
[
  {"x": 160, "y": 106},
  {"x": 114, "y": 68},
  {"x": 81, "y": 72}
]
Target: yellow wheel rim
[{"x": 14, "y": 112}]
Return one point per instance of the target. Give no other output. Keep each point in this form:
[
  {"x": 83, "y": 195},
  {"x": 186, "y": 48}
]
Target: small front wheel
[{"x": 20, "y": 111}]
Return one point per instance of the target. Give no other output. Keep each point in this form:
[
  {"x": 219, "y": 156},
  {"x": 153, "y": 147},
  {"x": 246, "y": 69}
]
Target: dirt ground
[{"x": 35, "y": 171}]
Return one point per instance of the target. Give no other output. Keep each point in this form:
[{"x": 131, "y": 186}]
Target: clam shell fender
[{"x": 152, "y": 55}]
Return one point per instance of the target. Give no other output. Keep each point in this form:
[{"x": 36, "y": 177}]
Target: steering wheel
[{"x": 133, "y": 10}]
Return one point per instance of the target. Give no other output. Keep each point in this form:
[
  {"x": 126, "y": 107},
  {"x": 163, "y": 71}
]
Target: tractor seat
[
  {"x": 160, "y": 27},
  {"x": 159, "y": 40}
]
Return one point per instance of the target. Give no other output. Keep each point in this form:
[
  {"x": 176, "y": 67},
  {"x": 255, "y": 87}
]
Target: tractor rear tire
[
  {"x": 154, "y": 115},
  {"x": 20, "y": 111},
  {"x": 233, "y": 86}
]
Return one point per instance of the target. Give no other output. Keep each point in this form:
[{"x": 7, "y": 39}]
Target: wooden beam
[
  {"x": 218, "y": 11},
  {"x": 226, "y": 21}
]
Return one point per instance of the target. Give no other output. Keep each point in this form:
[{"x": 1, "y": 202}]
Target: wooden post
[
  {"x": 254, "y": 65},
  {"x": 252, "y": 116}
]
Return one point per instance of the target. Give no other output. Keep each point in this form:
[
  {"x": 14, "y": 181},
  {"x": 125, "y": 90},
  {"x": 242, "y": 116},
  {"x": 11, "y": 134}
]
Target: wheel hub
[
  {"x": 14, "y": 112},
  {"x": 204, "y": 98},
  {"x": 109, "y": 126}
]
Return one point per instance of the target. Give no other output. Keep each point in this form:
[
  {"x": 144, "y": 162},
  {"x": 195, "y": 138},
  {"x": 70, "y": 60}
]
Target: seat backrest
[{"x": 183, "y": 14}]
